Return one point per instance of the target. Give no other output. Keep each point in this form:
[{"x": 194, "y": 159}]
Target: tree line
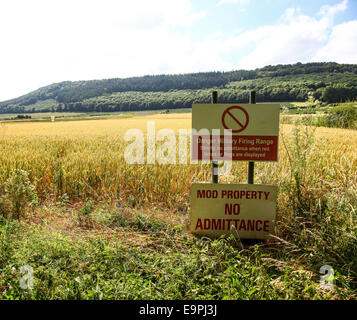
[{"x": 328, "y": 82}]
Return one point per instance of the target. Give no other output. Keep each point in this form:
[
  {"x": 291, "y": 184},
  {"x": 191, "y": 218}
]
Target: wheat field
[
  {"x": 86, "y": 158},
  {"x": 316, "y": 174}
]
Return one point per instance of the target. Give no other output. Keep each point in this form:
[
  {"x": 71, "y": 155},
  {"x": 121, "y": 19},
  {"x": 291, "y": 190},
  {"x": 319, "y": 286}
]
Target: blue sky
[{"x": 43, "y": 41}]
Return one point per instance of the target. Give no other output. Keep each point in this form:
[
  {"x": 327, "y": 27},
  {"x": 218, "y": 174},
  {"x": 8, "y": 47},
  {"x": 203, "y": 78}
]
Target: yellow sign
[
  {"x": 243, "y": 119},
  {"x": 247, "y": 211},
  {"x": 254, "y": 129}
]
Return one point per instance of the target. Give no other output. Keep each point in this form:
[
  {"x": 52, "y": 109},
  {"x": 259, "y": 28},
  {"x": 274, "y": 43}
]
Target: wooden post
[
  {"x": 251, "y": 163},
  {"x": 214, "y": 163}
]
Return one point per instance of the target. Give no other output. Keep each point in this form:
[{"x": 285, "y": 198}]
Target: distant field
[
  {"x": 105, "y": 229},
  {"x": 64, "y": 116},
  {"x": 40, "y": 115}
]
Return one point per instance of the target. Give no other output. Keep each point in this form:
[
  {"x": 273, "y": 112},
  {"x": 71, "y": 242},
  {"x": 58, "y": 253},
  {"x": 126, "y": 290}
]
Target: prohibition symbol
[{"x": 235, "y": 118}]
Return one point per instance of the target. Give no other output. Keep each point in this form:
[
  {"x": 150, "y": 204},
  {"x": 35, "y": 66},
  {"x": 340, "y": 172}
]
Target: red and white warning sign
[{"x": 245, "y": 132}]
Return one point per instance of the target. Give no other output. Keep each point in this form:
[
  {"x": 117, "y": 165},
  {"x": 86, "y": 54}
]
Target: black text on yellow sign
[{"x": 247, "y": 211}]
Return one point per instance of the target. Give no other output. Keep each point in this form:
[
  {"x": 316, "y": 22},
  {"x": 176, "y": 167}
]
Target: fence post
[
  {"x": 214, "y": 163},
  {"x": 251, "y": 163}
]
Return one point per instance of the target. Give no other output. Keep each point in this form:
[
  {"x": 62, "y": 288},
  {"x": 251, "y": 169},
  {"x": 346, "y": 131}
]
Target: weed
[
  {"x": 19, "y": 194},
  {"x": 87, "y": 208}
]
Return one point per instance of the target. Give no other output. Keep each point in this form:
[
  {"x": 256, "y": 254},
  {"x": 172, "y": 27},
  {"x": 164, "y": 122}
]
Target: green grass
[{"x": 167, "y": 264}]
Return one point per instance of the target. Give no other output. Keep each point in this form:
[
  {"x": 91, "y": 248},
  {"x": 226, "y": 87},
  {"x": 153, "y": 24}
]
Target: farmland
[{"x": 94, "y": 227}]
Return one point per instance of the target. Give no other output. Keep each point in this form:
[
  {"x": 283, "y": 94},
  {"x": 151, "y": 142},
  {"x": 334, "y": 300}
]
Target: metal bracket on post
[
  {"x": 251, "y": 163},
  {"x": 214, "y": 163}
]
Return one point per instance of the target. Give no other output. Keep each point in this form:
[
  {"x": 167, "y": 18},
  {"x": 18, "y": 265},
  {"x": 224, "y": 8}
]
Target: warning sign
[
  {"x": 247, "y": 211},
  {"x": 253, "y": 132}
]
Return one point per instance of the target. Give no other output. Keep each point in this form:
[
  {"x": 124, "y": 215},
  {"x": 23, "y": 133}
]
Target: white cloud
[
  {"x": 341, "y": 46},
  {"x": 332, "y": 10},
  {"x": 299, "y": 38},
  {"x": 283, "y": 43}
]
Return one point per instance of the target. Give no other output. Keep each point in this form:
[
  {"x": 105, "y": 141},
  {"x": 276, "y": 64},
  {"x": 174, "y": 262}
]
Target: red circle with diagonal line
[{"x": 238, "y": 116}]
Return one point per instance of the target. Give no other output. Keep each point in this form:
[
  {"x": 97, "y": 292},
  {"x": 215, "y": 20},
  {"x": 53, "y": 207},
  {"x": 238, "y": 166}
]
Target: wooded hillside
[{"x": 328, "y": 82}]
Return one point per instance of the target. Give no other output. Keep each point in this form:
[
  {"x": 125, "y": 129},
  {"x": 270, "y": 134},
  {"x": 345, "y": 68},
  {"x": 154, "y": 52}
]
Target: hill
[{"x": 328, "y": 82}]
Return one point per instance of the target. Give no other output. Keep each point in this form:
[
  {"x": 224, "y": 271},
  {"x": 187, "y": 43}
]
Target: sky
[{"x": 44, "y": 42}]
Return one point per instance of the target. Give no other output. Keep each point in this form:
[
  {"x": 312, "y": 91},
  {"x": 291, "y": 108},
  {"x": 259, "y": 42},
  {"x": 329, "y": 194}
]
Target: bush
[
  {"x": 19, "y": 194},
  {"x": 21, "y": 116},
  {"x": 342, "y": 117}
]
